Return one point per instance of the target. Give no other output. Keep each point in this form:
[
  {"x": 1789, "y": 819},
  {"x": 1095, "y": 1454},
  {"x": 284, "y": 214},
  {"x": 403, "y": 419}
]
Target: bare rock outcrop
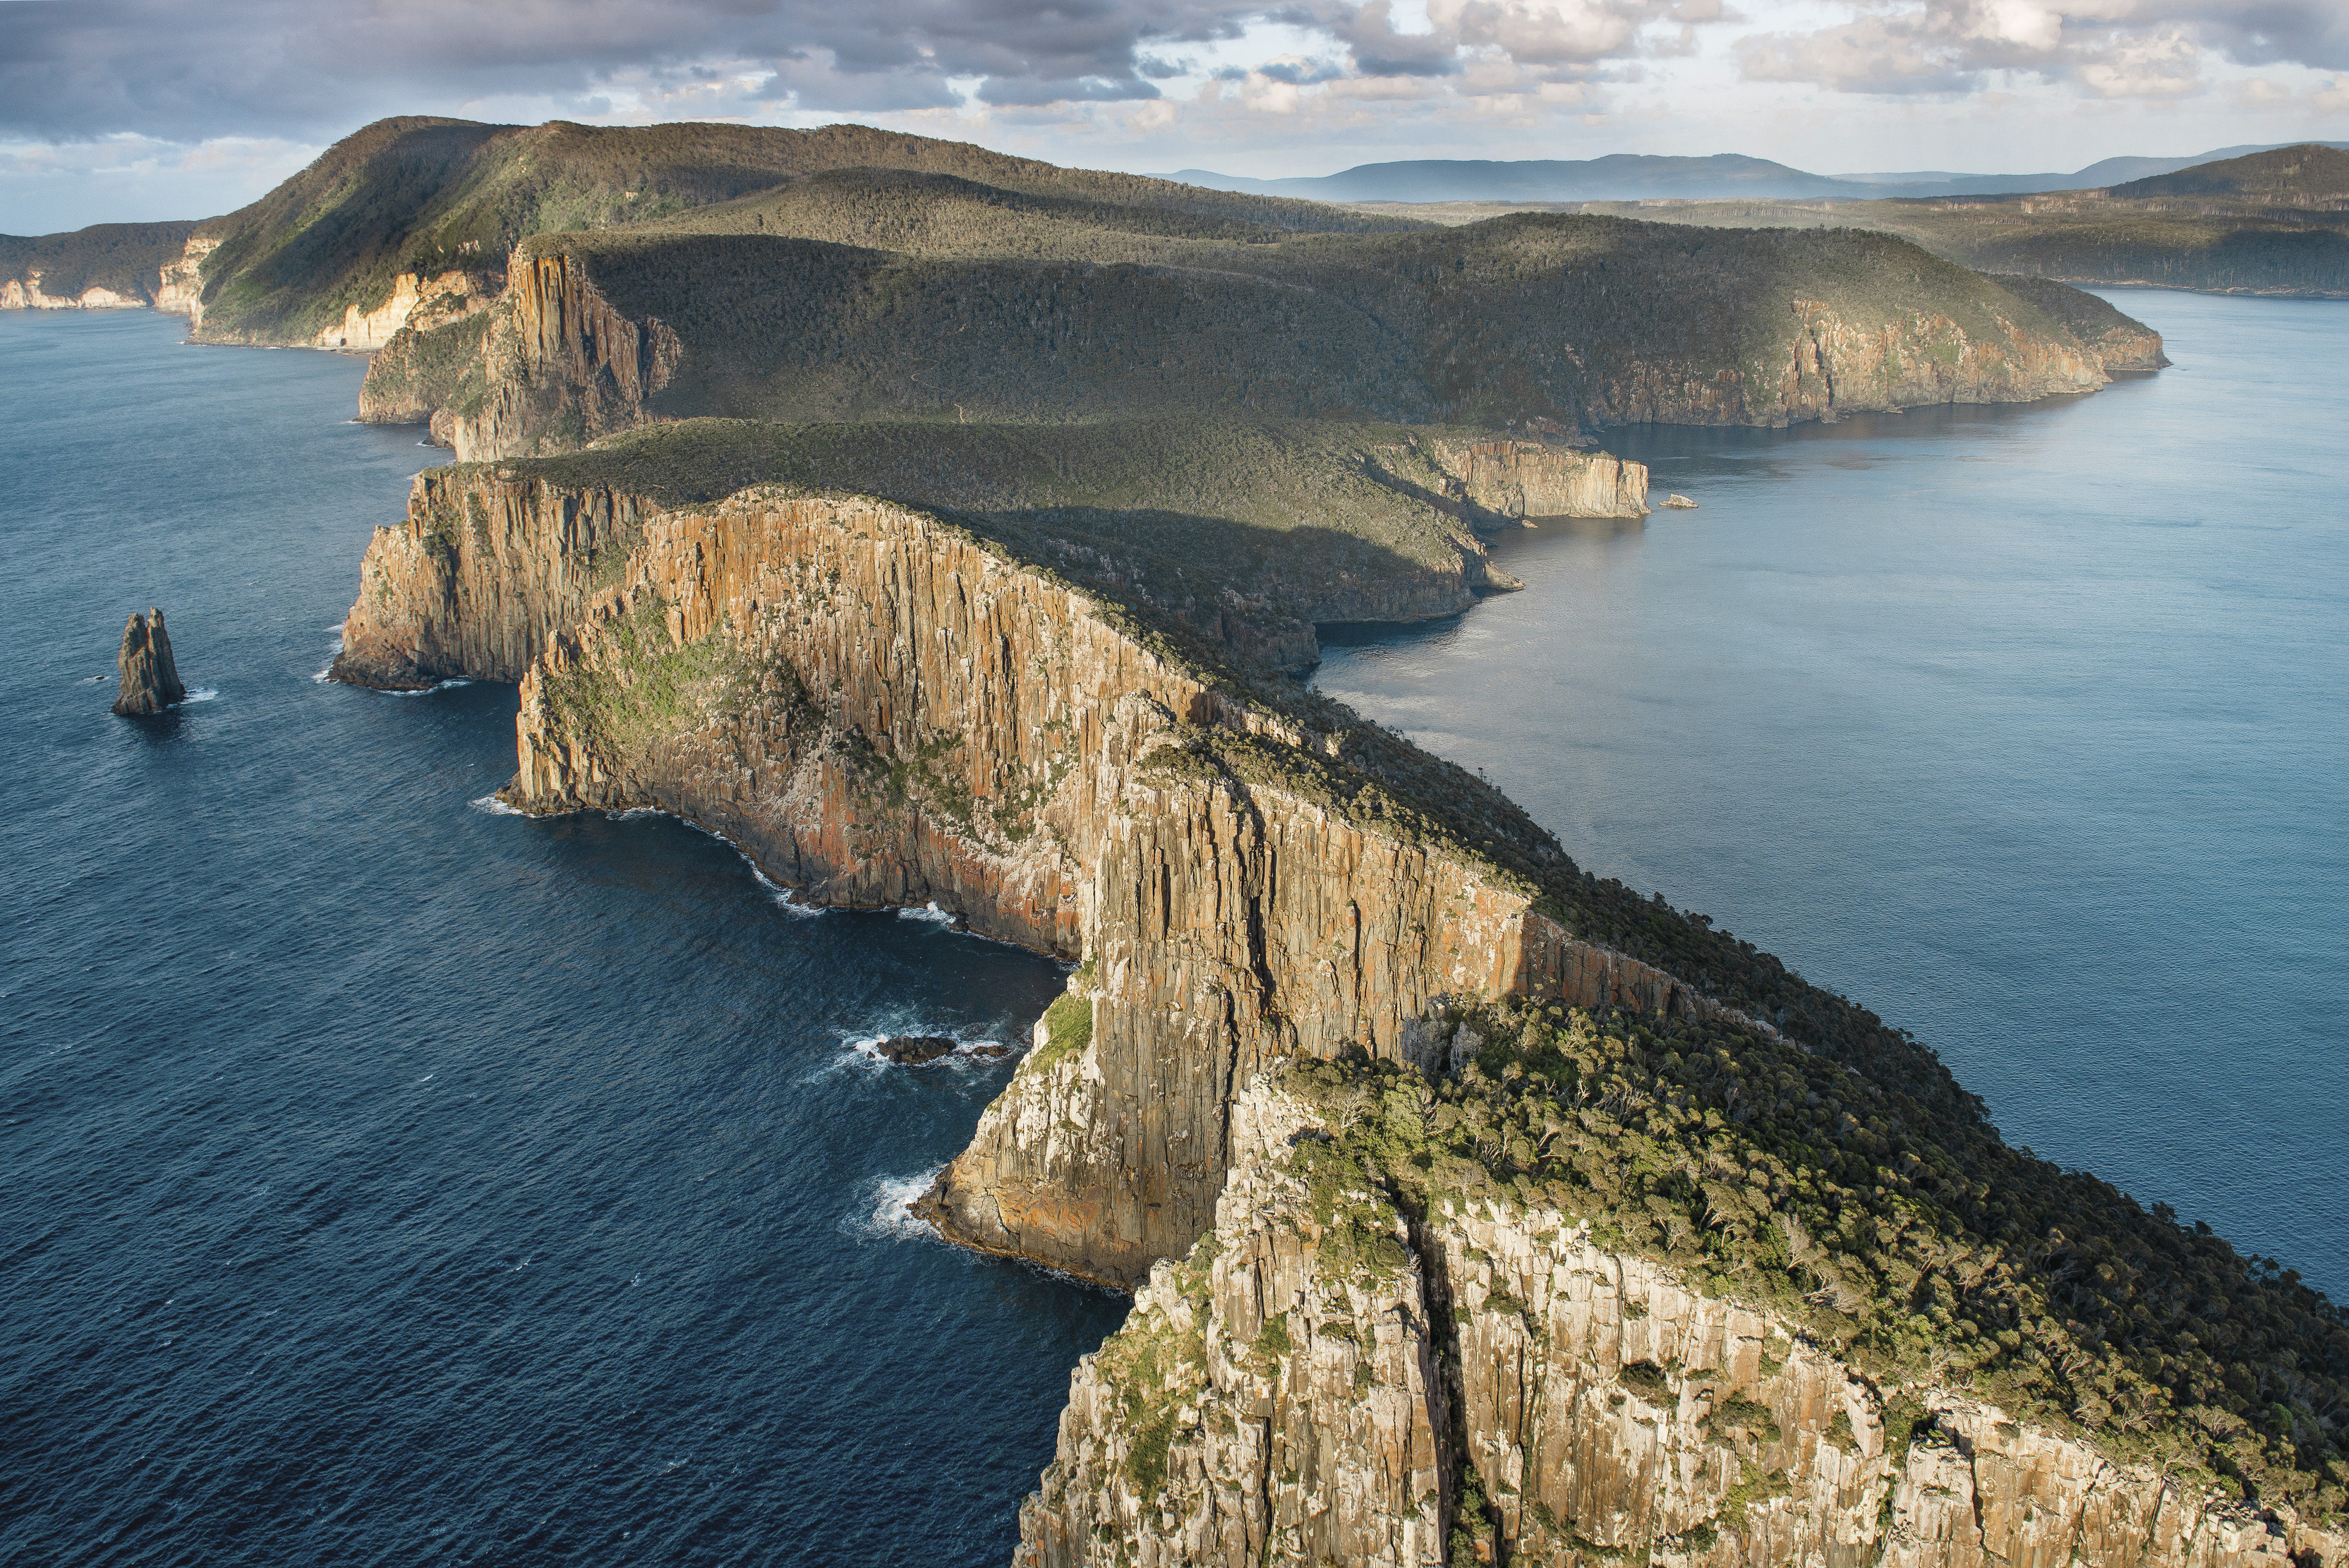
[
  {"x": 1274, "y": 1395},
  {"x": 479, "y": 575},
  {"x": 562, "y": 366},
  {"x": 150, "y": 678},
  {"x": 179, "y": 282},
  {"x": 414, "y": 301}
]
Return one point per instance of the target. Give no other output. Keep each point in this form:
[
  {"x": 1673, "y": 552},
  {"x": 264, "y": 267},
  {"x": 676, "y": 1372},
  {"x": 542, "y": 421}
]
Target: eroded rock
[{"x": 150, "y": 678}]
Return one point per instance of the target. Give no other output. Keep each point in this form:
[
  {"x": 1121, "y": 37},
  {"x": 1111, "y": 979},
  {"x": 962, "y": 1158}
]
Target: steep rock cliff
[
  {"x": 559, "y": 365},
  {"x": 1675, "y": 1278},
  {"x": 415, "y": 301},
  {"x": 1245, "y": 535},
  {"x": 479, "y": 577},
  {"x": 180, "y": 281},
  {"x": 1274, "y": 1395},
  {"x": 27, "y": 294}
]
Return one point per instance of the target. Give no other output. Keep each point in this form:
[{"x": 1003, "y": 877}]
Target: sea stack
[{"x": 150, "y": 681}]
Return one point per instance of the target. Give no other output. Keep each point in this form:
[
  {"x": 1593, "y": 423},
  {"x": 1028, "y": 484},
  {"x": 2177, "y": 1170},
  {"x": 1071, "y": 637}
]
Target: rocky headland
[
  {"x": 1477, "y": 1209},
  {"x": 151, "y": 676},
  {"x": 852, "y": 496},
  {"x": 1530, "y": 323}
]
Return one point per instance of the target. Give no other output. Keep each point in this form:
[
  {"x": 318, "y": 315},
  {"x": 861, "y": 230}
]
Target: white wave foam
[
  {"x": 929, "y": 912},
  {"x": 444, "y": 686},
  {"x": 881, "y": 1215},
  {"x": 202, "y": 694},
  {"x": 780, "y": 895},
  {"x": 862, "y": 1052},
  {"x": 495, "y": 807}
]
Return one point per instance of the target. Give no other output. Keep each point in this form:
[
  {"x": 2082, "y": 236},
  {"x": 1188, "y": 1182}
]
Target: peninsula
[{"x": 944, "y": 528}]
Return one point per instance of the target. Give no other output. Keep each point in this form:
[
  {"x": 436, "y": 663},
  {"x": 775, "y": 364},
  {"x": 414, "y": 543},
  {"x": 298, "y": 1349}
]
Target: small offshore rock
[
  {"x": 991, "y": 1051},
  {"x": 912, "y": 1050},
  {"x": 151, "y": 679},
  {"x": 1680, "y": 502}
]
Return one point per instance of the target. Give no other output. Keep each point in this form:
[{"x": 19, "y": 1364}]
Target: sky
[{"x": 118, "y": 110}]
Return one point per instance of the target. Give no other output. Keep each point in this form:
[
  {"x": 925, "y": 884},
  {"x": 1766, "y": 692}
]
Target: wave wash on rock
[{"x": 1663, "y": 1278}]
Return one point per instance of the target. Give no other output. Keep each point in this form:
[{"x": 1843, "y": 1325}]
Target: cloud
[
  {"x": 2112, "y": 48},
  {"x": 165, "y": 68}
]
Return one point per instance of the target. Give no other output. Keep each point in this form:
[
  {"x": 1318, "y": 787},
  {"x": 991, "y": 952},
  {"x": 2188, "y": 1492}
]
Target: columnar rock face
[
  {"x": 479, "y": 575},
  {"x": 564, "y": 366},
  {"x": 150, "y": 679},
  {"x": 881, "y": 706},
  {"x": 884, "y": 709},
  {"x": 1259, "y": 1406},
  {"x": 1606, "y": 1410}
]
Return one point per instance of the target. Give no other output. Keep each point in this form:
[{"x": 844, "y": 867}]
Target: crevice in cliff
[{"x": 1447, "y": 1389}]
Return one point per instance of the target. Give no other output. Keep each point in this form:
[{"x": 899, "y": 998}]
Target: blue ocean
[{"x": 385, "y": 1178}]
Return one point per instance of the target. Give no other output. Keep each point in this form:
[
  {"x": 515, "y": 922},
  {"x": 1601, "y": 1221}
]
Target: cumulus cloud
[
  {"x": 2113, "y": 48},
  {"x": 164, "y": 69},
  {"x": 304, "y": 69}
]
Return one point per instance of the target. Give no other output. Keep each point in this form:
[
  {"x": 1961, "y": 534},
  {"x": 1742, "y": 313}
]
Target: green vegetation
[
  {"x": 427, "y": 195},
  {"x": 419, "y": 371},
  {"x": 1244, "y": 534},
  {"x": 1068, "y": 1030},
  {"x": 2309, "y": 176},
  {"x": 124, "y": 257},
  {"x": 1569, "y": 320},
  {"x": 654, "y": 689},
  {"x": 1899, "y": 1231},
  {"x": 1155, "y": 1366}
]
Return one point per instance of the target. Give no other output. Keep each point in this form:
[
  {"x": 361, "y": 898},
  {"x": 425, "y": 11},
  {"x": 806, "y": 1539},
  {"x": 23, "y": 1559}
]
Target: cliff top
[{"x": 1907, "y": 1238}]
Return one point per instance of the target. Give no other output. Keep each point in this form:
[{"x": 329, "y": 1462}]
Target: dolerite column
[{"x": 150, "y": 681}]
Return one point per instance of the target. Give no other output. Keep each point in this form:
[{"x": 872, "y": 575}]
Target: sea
[
  {"x": 2026, "y": 726},
  {"x": 389, "y": 1178}
]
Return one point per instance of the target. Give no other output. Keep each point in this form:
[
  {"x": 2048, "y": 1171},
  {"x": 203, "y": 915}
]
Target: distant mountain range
[{"x": 1630, "y": 177}]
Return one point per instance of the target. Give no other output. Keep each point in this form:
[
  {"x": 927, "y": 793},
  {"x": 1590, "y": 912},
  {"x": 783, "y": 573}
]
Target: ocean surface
[
  {"x": 385, "y": 1180},
  {"x": 2028, "y": 727}
]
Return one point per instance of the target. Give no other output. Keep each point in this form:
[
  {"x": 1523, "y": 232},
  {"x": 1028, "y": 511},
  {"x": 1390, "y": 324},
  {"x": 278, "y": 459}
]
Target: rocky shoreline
[{"x": 888, "y": 704}]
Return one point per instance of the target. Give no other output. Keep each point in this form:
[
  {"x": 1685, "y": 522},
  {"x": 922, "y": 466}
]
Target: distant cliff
[
  {"x": 1539, "y": 323},
  {"x": 1246, "y": 536},
  {"x": 109, "y": 266}
]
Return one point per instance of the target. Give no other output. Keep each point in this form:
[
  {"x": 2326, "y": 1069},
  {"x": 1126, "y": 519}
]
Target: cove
[{"x": 2020, "y": 725}]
